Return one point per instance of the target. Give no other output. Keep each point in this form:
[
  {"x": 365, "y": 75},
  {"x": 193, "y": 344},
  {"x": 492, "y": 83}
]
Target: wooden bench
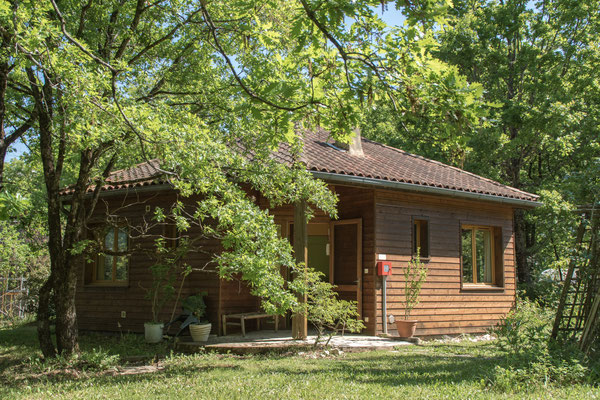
[{"x": 245, "y": 316}]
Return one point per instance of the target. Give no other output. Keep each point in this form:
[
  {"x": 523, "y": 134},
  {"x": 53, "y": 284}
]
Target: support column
[{"x": 299, "y": 323}]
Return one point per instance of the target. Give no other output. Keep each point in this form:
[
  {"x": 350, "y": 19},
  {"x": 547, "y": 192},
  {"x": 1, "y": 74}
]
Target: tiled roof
[
  {"x": 386, "y": 163},
  {"x": 144, "y": 174},
  {"x": 380, "y": 163}
]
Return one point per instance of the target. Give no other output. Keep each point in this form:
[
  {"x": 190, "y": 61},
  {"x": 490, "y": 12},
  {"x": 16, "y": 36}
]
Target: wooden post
[{"x": 299, "y": 323}]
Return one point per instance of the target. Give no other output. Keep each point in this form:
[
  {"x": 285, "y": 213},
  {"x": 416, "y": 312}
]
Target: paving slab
[{"x": 267, "y": 341}]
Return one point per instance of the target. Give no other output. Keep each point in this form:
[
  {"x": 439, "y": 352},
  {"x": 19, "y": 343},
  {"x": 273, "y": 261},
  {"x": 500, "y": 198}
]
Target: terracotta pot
[
  {"x": 153, "y": 332},
  {"x": 406, "y": 328},
  {"x": 200, "y": 332}
]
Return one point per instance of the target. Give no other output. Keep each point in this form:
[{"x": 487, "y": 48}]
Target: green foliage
[
  {"x": 533, "y": 360},
  {"x": 415, "y": 275},
  {"x": 14, "y": 251},
  {"x": 12, "y": 205},
  {"x": 323, "y": 309},
  {"x": 538, "y": 130},
  {"x": 525, "y": 329}
]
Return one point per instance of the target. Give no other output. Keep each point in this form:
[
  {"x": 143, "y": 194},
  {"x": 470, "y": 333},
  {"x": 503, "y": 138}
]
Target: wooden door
[{"x": 346, "y": 259}]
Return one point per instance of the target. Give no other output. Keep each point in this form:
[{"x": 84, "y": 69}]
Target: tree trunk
[
  {"x": 299, "y": 321},
  {"x": 3, "y": 149},
  {"x": 66, "y": 316},
  {"x": 43, "y": 319},
  {"x": 521, "y": 253}
]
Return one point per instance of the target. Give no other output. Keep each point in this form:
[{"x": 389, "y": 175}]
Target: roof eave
[
  {"x": 119, "y": 192},
  {"x": 372, "y": 182}
]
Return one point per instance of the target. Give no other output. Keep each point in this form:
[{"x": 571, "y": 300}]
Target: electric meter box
[{"x": 384, "y": 268}]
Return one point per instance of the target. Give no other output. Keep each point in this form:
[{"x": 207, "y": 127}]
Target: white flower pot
[
  {"x": 153, "y": 332},
  {"x": 200, "y": 332}
]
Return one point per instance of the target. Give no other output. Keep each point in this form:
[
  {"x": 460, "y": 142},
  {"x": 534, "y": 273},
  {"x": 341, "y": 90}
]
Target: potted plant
[
  {"x": 199, "y": 327},
  {"x": 160, "y": 292},
  {"x": 415, "y": 274}
]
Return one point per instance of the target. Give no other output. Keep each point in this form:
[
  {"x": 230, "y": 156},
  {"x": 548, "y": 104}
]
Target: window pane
[
  {"x": 121, "y": 268},
  {"x": 424, "y": 239},
  {"x": 104, "y": 271},
  {"x": 484, "y": 256},
  {"x": 123, "y": 238},
  {"x": 467, "y": 255},
  {"x": 420, "y": 238},
  {"x": 415, "y": 235},
  {"x": 109, "y": 240}
]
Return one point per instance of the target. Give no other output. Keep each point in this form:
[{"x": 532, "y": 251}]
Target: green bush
[
  {"x": 525, "y": 330},
  {"x": 323, "y": 309},
  {"x": 531, "y": 358},
  {"x": 543, "y": 290}
]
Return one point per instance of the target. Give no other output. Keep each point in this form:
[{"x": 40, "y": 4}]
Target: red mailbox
[{"x": 384, "y": 268}]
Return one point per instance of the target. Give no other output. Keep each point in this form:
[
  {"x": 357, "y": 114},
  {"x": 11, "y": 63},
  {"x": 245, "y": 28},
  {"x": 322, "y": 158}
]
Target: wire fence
[{"x": 13, "y": 297}]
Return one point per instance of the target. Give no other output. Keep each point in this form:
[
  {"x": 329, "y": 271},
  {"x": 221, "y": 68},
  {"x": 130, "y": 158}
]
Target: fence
[{"x": 13, "y": 297}]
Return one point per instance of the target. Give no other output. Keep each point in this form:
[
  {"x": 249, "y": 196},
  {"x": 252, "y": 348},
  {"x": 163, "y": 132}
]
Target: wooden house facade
[{"x": 391, "y": 203}]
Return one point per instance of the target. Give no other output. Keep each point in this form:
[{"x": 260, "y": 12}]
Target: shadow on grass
[
  {"x": 415, "y": 366},
  {"x": 399, "y": 370}
]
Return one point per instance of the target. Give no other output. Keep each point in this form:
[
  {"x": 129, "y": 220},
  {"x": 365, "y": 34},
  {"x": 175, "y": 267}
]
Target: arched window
[{"x": 112, "y": 263}]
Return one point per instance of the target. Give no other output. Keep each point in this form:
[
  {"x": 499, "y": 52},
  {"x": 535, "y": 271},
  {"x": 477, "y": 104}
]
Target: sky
[{"x": 390, "y": 16}]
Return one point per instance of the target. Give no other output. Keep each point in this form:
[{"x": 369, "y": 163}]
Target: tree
[
  {"x": 535, "y": 65},
  {"x": 111, "y": 83}
]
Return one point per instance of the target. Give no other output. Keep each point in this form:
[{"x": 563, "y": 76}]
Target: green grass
[{"x": 440, "y": 371}]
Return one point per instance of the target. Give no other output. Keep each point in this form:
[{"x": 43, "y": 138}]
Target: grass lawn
[{"x": 434, "y": 370}]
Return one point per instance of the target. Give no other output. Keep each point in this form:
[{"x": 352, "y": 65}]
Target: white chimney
[{"x": 355, "y": 146}]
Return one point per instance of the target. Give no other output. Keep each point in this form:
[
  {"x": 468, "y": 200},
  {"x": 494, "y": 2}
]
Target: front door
[{"x": 345, "y": 266}]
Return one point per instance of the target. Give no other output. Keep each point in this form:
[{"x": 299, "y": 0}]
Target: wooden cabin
[{"x": 390, "y": 203}]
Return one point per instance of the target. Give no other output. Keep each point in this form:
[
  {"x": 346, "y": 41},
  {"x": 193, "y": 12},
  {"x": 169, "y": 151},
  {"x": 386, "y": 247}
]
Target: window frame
[
  {"x": 497, "y": 279},
  {"x": 100, "y": 257},
  {"x": 416, "y": 237}
]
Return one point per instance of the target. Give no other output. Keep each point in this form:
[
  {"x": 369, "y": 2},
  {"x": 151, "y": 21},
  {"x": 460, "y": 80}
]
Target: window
[
  {"x": 170, "y": 235},
  {"x": 420, "y": 238},
  {"x": 113, "y": 262},
  {"x": 479, "y": 251}
]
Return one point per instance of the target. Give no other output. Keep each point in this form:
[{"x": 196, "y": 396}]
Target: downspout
[{"x": 385, "y": 325}]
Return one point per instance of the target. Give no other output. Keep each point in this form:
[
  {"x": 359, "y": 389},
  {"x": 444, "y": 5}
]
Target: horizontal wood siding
[
  {"x": 99, "y": 308},
  {"x": 444, "y": 308},
  {"x": 386, "y": 228}
]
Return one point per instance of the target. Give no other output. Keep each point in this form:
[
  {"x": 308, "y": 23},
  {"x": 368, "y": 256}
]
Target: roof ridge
[{"x": 450, "y": 166}]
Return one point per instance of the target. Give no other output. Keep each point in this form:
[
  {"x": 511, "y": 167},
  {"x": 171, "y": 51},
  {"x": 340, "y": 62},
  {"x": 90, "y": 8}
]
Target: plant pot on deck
[
  {"x": 200, "y": 332},
  {"x": 406, "y": 328},
  {"x": 153, "y": 332}
]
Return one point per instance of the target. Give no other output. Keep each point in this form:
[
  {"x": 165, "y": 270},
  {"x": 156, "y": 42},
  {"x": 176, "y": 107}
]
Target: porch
[{"x": 259, "y": 342}]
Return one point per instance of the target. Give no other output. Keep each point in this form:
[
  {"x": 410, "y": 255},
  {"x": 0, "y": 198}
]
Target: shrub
[
  {"x": 525, "y": 330},
  {"x": 415, "y": 275},
  {"x": 531, "y": 358},
  {"x": 323, "y": 309}
]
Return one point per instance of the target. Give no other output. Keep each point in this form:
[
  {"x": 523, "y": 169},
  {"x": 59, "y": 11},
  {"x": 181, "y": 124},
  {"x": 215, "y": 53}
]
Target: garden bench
[{"x": 246, "y": 316}]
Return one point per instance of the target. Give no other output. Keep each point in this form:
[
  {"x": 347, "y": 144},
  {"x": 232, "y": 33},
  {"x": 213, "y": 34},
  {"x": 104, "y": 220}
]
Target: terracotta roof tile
[
  {"x": 390, "y": 164},
  {"x": 379, "y": 162},
  {"x": 143, "y": 174}
]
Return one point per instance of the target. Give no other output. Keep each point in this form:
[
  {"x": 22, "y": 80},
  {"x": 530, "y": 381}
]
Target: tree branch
[
  {"x": 63, "y": 27},
  {"x": 246, "y": 89}
]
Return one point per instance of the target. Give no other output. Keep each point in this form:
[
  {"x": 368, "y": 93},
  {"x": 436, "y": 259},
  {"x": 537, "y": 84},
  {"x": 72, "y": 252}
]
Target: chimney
[{"x": 355, "y": 146}]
